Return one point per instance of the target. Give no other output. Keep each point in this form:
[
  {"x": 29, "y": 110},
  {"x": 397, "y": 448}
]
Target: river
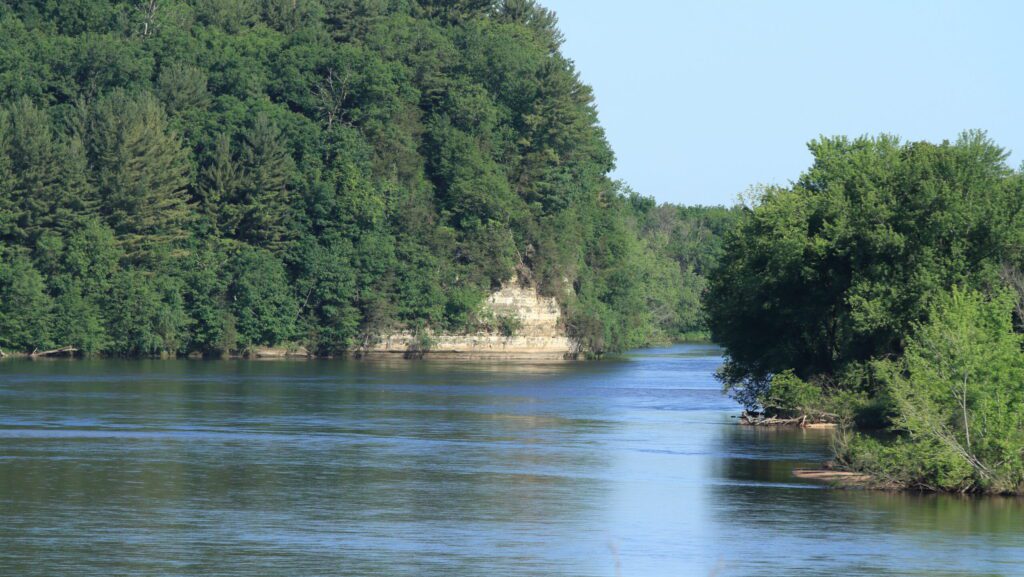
[{"x": 632, "y": 467}]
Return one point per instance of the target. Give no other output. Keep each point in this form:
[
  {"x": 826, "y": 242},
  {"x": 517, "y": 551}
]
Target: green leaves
[
  {"x": 25, "y": 308},
  {"x": 380, "y": 165},
  {"x": 261, "y": 299},
  {"x": 142, "y": 171},
  {"x": 959, "y": 389},
  {"x": 838, "y": 269}
]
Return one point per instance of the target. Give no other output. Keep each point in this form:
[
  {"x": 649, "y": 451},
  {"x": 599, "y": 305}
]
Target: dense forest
[
  {"x": 885, "y": 289},
  {"x": 204, "y": 177}
]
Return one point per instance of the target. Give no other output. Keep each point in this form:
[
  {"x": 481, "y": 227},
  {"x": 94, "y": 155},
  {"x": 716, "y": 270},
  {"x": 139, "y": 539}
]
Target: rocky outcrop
[
  {"x": 277, "y": 352},
  {"x": 525, "y": 325}
]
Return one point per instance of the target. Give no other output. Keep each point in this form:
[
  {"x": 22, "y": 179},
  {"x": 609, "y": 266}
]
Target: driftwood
[
  {"x": 841, "y": 478},
  {"x": 54, "y": 352},
  {"x": 804, "y": 421}
]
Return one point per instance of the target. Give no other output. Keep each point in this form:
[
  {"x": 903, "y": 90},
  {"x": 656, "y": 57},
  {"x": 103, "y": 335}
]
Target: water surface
[{"x": 630, "y": 467}]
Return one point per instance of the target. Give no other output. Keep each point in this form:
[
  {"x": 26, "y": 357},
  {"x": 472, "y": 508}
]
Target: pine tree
[
  {"x": 35, "y": 188},
  {"x": 265, "y": 201},
  {"x": 142, "y": 172},
  {"x": 219, "y": 182},
  {"x": 8, "y": 204}
]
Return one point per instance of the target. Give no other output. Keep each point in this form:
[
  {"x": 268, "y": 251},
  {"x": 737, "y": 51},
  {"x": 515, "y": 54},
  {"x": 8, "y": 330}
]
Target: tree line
[
  {"x": 185, "y": 177},
  {"x": 883, "y": 290}
]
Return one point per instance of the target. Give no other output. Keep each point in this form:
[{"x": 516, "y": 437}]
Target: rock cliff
[{"x": 532, "y": 329}]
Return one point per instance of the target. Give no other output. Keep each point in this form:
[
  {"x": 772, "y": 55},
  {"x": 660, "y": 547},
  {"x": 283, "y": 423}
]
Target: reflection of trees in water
[
  {"x": 953, "y": 515},
  {"x": 769, "y": 454},
  {"x": 754, "y": 487},
  {"x": 342, "y": 460}
]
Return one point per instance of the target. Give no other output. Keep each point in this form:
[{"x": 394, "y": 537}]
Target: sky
[{"x": 702, "y": 100}]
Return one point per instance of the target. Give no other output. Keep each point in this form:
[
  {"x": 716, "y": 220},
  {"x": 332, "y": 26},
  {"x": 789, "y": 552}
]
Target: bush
[
  {"x": 509, "y": 325},
  {"x": 902, "y": 462},
  {"x": 790, "y": 396},
  {"x": 957, "y": 398}
]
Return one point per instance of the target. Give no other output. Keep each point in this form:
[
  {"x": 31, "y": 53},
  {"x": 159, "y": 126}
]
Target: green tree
[
  {"x": 834, "y": 272},
  {"x": 212, "y": 328},
  {"x": 262, "y": 214},
  {"x": 142, "y": 172},
  {"x": 46, "y": 175},
  {"x": 25, "y": 308},
  {"x": 261, "y": 299},
  {"x": 958, "y": 397},
  {"x": 145, "y": 315}
]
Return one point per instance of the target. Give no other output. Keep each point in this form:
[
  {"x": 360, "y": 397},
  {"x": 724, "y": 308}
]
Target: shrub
[
  {"x": 958, "y": 402},
  {"x": 791, "y": 396},
  {"x": 509, "y": 325}
]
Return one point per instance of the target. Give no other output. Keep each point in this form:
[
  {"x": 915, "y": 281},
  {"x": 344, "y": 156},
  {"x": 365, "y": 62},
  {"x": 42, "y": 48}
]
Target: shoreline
[
  {"x": 300, "y": 353},
  {"x": 357, "y": 356}
]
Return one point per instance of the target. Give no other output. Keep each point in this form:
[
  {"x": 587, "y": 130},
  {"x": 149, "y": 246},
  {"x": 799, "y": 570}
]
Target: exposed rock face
[
  {"x": 537, "y": 332},
  {"x": 278, "y": 352}
]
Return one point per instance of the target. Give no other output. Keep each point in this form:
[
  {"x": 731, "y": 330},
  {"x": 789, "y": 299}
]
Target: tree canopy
[
  {"x": 883, "y": 289},
  {"x": 183, "y": 176},
  {"x": 834, "y": 271}
]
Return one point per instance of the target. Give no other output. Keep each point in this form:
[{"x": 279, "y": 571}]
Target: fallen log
[
  {"x": 54, "y": 352},
  {"x": 841, "y": 478},
  {"x": 802, "y": 421}
]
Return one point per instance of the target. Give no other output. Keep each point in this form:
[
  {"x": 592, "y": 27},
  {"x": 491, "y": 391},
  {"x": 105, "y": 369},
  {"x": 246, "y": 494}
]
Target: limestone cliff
[{"x": 533, "y": 329}]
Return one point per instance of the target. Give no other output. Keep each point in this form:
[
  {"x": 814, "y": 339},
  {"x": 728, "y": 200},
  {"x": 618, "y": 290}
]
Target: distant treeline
[
  {"x": 885, "y": 289},
  {"x": 210, "y": 176}
]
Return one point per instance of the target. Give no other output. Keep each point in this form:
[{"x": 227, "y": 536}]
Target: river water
[{"x": 631, "y": 467}]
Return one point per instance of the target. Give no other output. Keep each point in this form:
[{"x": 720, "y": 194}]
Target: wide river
[{"x": 632, "y": 467}]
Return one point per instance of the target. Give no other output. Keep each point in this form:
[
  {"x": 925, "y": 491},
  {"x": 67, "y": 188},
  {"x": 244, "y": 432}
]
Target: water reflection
[
  {"x": 427, "y": 468},
  {"x": 777, "y": 519}
]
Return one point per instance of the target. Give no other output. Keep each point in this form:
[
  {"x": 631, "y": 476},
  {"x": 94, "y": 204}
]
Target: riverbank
[{"x": 270, "y": 354}]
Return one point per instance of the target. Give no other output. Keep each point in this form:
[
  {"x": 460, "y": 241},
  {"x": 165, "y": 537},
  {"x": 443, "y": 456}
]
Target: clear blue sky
[{"x": 700, "y": 100}]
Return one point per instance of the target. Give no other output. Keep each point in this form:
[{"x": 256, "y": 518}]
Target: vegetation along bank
[
  {"x": 884, "y": 290},
  {"x": 221, "y": 177}
]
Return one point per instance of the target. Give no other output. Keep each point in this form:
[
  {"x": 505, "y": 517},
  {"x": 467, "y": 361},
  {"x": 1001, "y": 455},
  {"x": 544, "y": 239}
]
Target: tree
[
  {"x": 212, "y": 326},
  {"x": 261, "y": 299},
  {"x": 142, "y": 172},
  {"x": 25, "y": 307},
  {"x": 958, "y": 397},
  {"x": 262, "y": 213},
  {"x": 146, "y": 315},
  {"x": 46, "y": 174},
  {"x": 833, "y": 272},
  {"x": 219, "y": 182}
]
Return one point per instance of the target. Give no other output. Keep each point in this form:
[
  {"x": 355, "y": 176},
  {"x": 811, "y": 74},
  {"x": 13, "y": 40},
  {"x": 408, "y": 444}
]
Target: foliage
[
  {"x": 835, "y": 271},
  {"x": 261, "y": 300},
  {"x": 509, "y": 325},
  {"x": 25, "y": 308},
  {"x": 791, "y": 396},
  {"x": 958, "y": 398},
  {"x": 255, "y": 172}
]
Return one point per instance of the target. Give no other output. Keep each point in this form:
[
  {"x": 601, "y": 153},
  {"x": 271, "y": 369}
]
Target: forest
[
  {"x": 884, "y": 290},
  {"x": 204, "y": 177}
]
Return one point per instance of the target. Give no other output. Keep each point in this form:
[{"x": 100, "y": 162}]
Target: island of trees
[
  {"x": 204, "y": 177},
  {"x": 884, "y": 289}
]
